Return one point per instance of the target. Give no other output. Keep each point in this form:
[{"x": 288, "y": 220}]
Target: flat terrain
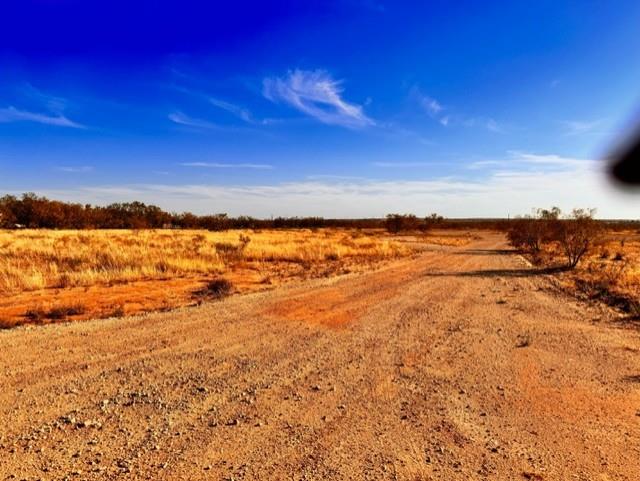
[
  {"x": 458, "y": 364},
  {"x": 55, "y": 275}
]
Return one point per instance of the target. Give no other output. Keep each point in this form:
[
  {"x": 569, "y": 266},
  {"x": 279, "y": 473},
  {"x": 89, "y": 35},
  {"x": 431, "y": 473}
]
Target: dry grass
[
  {"x": 120, "y": 271},
  {"x": 33, "y": 259},
  {"x": 610, "y": 272}
]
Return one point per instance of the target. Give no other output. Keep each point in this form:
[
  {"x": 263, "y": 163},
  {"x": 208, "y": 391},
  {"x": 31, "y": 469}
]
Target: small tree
[
  {"x": 432, "y": 220},
  {"x": 549, "y": 220},
  {"x": 532, "y": 231},
  {"x": 525, "y": 233},
  {"x": 577, "y": 234}
]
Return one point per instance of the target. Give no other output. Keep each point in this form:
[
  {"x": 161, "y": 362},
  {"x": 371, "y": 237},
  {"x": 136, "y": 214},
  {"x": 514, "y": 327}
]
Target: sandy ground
[{"x": 455, "y": 365}]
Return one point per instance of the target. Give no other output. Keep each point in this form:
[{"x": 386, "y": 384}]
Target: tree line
[
  {"x": 36, "y": 212},
  {"x": 32, "y": 211}
]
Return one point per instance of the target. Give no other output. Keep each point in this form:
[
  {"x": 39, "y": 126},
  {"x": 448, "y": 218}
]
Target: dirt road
[{"x": 460, "y": 364}]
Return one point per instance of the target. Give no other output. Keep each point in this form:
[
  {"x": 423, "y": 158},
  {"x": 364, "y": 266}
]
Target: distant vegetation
[
  {"x": 36, "y": 212},
  {"x": 32, "y": 211},
  {"x": 395, "y": 223}
]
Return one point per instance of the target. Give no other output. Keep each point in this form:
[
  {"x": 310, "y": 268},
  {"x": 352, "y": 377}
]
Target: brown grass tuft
[
  {"x": 215, "y": 289},
  {"x": 57, "y": 313}
]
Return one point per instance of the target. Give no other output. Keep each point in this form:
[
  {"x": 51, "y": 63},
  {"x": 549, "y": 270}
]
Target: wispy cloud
[
  {"x": 75, "y": 169},
  {"x": 242, "y": 113},
  {"x": 12, "y": 114},
  {"x": 483, "y": 164},
  {"x": 430, "y": 105},
  {"x": 202, "y": 125},
  {"x": 526, "y": 160},
  {"x": 183, "y": 119},
  {"x": 513, "y": 190},
  {"x": 318, "y": 95},
  {"x": 487, "y": 123},
  {"x": 335, "y": 177},
  {"x": 236, "y": 110},
  {"x": 392, "y": 129},
  {"x": 577, "y": 127},
  {"x": 216, "y": 165},
  {"x": 405, "y": 164},
  {"x": 493, "y": 126},
  {"x": 548, "y": 159},
  {"x": 52, "y": 103},
  {"x": 446, "y": 117},
  {"x": 484, "y": 122},
  {"x": 50, "y": 110}
]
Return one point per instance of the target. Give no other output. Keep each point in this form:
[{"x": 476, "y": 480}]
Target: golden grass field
[
  {"x": 82, "y": 274},
  {"x": 35, "y": 259}
]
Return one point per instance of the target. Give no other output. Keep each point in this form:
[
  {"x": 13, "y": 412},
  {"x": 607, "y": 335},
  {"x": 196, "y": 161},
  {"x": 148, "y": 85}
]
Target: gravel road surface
[{"x": 459, "y": 364}]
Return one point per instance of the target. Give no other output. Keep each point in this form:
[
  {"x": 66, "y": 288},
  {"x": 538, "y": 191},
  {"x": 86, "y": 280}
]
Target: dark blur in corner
[{"x": 625, "y": 161}]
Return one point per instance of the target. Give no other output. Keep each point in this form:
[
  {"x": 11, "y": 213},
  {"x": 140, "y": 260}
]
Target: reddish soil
[{"x": 460, "y": 364}]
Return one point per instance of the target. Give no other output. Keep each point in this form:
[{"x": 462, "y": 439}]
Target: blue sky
[{"x": 335, "y": 108}]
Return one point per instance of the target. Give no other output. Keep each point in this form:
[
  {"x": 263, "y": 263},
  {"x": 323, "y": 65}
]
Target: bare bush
[
  {"x": 62, "y": 312},
  {"x": 531, "y": 232},
  {"x": 215, "y": 289},
  {"x": 577, "y": 234},
  {"x": 58, "y": 313},
  {"x": 432, "y": 220},
  {"x": 525, "y": 234},
  {"x": 230, "y": 252}
]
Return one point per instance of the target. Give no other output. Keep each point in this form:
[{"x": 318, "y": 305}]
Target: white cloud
[
  {"x": 12, "y": 114},
  {"x": 241, "y": 112},
  {"x": 493, "y": 126},
  {"x": 236, "y": 110},
  {"x": 406, "y": 164},
  {"x": 549, "y": 160},
  {"x": 335, "y": 177},
  {"x": 53, "y": 104},
  {"x": 577, "y": 127},
  {"x": 511, "y": 186},
  {"x": 75, "y": 169},
  {"x": 532, "y": 161},
  {"x": 51, "y": 111},
  {"x": 428, "y": 104},
  {"x": 447, "y": 118},
  {"x": 318, "y": 95},
  {"x": 215, "y": 165},
  {"x": 484, "y": 122},
  {"x": 183, "y": 119}
]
